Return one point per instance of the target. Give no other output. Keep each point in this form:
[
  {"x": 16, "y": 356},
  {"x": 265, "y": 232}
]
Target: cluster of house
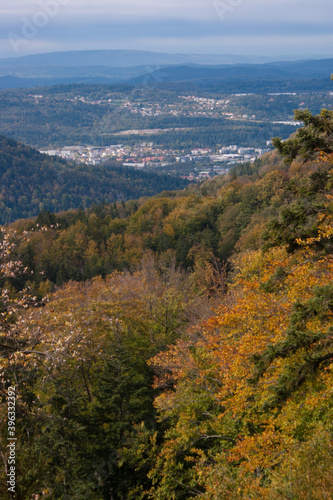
[
  {"x": 205, "y": 161},
  {"x": 228, "y": 154},
  {"x": 193, "y": 106}
]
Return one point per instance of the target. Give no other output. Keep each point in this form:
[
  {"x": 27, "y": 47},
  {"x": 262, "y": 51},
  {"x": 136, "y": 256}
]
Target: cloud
[
  {"x": 203, "y": 10},
  {"x": 259, "y": 26}
]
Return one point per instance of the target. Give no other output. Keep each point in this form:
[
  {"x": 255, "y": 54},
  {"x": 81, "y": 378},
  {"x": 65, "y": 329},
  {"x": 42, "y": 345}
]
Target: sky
[{"x": 244, "y": 27}]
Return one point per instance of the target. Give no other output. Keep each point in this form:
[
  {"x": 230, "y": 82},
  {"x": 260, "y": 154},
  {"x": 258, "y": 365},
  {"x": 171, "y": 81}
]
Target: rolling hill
[
  {"x": 296, "y": 70},
  {"x": 31, "y": 182},
  {"x": 138, "y": 67}
]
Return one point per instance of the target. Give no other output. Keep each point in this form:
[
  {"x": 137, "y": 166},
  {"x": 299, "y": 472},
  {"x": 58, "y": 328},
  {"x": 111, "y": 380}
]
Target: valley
[{"x": 166, "y": 268}]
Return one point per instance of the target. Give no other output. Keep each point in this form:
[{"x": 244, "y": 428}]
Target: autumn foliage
[{"x": 199, "y": 362}]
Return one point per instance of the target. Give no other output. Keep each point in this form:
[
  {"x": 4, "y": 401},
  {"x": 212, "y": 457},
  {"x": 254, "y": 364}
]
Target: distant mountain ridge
[
  {"x": 127, "y": 58},
  {"x": 313, "y": 69},
  {"x": 137, "y": 67}
]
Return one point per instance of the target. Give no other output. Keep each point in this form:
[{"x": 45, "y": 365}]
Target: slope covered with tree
[
  {"x": 31, "y": 182},
  {"x": 215, "y": 218},
  {"x": 176, "y": 375},
  {"x": 67, "y": 115}
]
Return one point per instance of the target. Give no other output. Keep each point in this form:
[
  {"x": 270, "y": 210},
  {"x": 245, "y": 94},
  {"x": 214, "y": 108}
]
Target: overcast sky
[{"x": 246, "y": 27}]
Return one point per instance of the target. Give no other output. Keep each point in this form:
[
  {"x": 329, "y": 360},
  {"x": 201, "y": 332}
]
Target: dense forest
[
  {"x": 178, "y": 346},
  {"x": 213, "y": 133},
  {"x": 31, "y": 182},
  {"x": 49, "y": 117}
]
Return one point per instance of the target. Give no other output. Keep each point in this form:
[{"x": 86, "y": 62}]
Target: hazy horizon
[
  {"x": 300, "y": 28},
  {"x": 282, "y": 57}
]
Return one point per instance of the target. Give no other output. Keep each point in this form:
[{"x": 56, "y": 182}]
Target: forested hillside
[
  {"x": 31, "y": 182},
  {"x": 178, "y": 346},
  {"x": 67, "y": 115},
  {"x": 219, "y": 216}
]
